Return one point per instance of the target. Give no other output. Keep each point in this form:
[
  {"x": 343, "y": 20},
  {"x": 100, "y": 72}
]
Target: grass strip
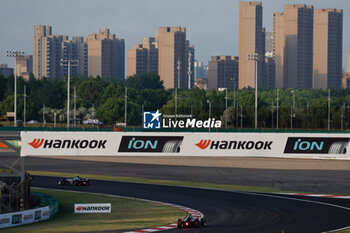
[{"x": 126, "y": 214}]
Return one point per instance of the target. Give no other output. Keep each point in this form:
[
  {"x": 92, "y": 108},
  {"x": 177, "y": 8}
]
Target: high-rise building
[
  {"x": 40, "y": 32},
  {"x": 172, "y": 57},
  {"x": 348, "y": 60},
  {"x": 223, "y": 72},
  {"x": 48, "y": 50},
  {"x": 346, "y": 80},
  {"x": 270, "y": 73},
  {"x": 5, "y": 70},
  {"x": 328, "y": 48},
  {"x": 106, "y": 55},
  {"x": 293, "y": 42},
  {"x": 201, "y": 83},
  {"x": 268, "y": 44},
  {"x": 24, "y": 66},
  {"x": 75, "y": 49},
  {"x": 143, "y": 57},
  {"x": 250, "y": 43},
  {"x": 80, "y": 53},
  {"x": 278, "y": 48},
  {"x": 200, "y": 70}
]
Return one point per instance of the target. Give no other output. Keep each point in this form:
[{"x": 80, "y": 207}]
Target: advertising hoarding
[{"x": 185, "y": 144}]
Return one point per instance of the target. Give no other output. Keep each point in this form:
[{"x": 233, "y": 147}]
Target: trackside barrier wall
[
  {"x": 24, "y": 217},
  {"x": 32, "y": 215},
  {"x": 49, "y": 200},
  {"x": 306, "y": 145}
]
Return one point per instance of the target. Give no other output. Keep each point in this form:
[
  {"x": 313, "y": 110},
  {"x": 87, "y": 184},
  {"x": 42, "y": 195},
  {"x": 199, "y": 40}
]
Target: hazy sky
[{"x": 211, "y": 26}]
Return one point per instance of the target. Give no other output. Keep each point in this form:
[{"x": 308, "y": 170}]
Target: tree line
[{"x": 104, "y": 99}]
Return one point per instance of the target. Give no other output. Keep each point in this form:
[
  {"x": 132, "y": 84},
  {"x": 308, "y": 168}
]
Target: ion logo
[
  {"x": 308, "y": 145},
  {"x": 37, "y": 142},
  {"x": 141, "y": 144},
  {"x": 234, "y": 145},
  {"x": 203, "y": 144},
  {"x": 150, "y": 144},
  {"x": 151, "y": 120}
]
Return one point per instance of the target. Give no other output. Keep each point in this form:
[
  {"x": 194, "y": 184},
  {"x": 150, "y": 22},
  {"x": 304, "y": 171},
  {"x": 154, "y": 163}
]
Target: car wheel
[
  {"x": 196, "y": 223},
  {"x": 179, "y": 223},
  {"x": 172, "y": 146},
  {"x": 338, "y": 148}
]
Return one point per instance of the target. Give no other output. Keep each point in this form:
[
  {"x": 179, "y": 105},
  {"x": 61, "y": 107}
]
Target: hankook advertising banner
[
  {"x": 185, "y": 144},
  {"x": 91, "y": 208}
]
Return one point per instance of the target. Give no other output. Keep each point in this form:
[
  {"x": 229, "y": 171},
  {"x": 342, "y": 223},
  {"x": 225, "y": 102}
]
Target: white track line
[{"x": 316, "y": 195}]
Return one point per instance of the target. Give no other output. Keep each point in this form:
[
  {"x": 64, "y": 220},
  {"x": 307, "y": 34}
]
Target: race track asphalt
[
  {"x": 227, "y": 211},
  {"x": 317, "y": 181}
]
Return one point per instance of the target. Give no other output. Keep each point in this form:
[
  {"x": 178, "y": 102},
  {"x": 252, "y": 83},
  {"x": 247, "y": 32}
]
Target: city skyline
[{"x": 211, "y": 27}]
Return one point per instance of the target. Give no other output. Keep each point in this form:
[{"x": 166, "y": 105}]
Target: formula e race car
[
  {"x": 190, "y": 222},
  {"x": 75, "y": 181}
]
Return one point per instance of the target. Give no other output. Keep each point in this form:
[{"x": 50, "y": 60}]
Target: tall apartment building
[
  {"x": 106, "y": 55},
  {"x": 171, "y": 55},
  {"x": 268, "y": 44},
  {"x": 293, "y": 46},
  {"x": 24, "y": 66},
  {"x": 348, "y": 60},
  {"x": 80, "y": 51},
  {"x": 346, "y": 80},
  {"x": 223, "y": 72},
  {"x": 75, "y": 49},
  {"x": 200, "y": 70},
  {"x": 328, "y": 48},
  {"x": 201, "y": 83},
  {"x": 48, "y": 50},
  {"x": 5, "y": 70},
  {"x": 251, "y": 42},
  {"x": 143, "y": 58},
  {"x": 278, "y": 48},
  {"x": 270, "y": 73}
]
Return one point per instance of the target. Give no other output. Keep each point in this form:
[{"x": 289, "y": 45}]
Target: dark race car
[
  {"x": 190, "y": 221},
  {"x": 75, "y": 181}
]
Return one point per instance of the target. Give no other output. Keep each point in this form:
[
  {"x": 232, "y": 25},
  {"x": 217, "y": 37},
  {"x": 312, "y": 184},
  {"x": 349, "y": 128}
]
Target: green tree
[
  {"x": 3, "y": 83},
  {"x": 91, "y": 90},
  {"x": 111, "y": 111},
  {"x": 144, "y": 81}
]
